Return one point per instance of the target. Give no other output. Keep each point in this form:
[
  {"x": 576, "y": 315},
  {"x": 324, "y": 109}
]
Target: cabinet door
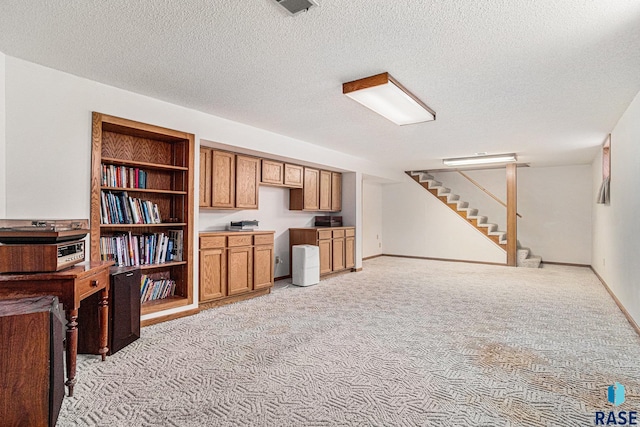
[
  {"x": 311, "y": 189},
  {"x": 205, "y": 177},
  {"x": 325, "y": 190},
  {"x": 262, "y": 266},
  {"x": 223, "y": 179},
  {"x": 293, "y": 176},
  {"x": 272, "y": 172},
  {"x": 240, "y": 270},
  {"x": 325, "y": 256},
  {"x": 350, "y": 252},
  {"x": 213, "y": 274},
  {"x": 338, "y": 254},
  {"x": 247, "y": 178},
  {"x": 336, "y": 191}
]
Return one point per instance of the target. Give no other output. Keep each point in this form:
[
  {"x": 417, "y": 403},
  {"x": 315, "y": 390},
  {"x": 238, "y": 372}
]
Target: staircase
[{"x": 480, "y": 222}]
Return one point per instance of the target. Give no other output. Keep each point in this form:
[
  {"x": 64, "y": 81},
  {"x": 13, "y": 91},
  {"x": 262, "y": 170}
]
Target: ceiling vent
[{"x": 296, "y": 6}]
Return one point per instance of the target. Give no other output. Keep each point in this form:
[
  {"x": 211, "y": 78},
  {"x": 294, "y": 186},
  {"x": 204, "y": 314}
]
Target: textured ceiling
[{"x": 545, "y": 79}]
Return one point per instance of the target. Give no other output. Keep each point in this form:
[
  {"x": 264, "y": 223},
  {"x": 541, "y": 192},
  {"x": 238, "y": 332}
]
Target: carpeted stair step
[
  {"x": 531, "y": 262},
  {"x": 523, "y": 253}
]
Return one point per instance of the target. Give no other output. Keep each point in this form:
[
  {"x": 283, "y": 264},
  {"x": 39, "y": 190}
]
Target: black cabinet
[
  {"x": 31, "y": 361},
  {"x": 124, "y": 313}
]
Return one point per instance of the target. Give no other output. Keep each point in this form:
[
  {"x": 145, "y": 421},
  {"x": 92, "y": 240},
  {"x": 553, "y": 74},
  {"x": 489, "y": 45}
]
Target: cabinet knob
[{"x": 94, "y": 283}]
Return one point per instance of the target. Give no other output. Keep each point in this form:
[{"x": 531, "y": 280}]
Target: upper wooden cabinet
[
  {"x": 325, "y": 190},
  {"x": 322, "y": 192},
  {"x": 281, "y": 174},
  {"x": 247, "y": 179},
  {"x": 231, "y": 181},
  {"x": 223, "y": 179},
  {"x": 272, "y": 172},
  {"x": 227, "y": 180},
  {"x": 336, "y": 191},
  {"x": 293, "y": 176},
  {"x": 205, "y": 177}
]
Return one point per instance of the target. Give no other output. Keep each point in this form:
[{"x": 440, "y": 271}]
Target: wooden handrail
[{"x": 485, "y": 190}]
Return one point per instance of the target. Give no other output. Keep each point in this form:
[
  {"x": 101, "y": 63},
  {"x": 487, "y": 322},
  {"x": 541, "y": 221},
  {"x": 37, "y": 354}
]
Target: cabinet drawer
[
  {"x": 92, "y": 284},
  {"x": 324, "y": 234},
  {"x": 263, "y": 239},
  {"x": 338, "y": 233},
  {"x": 350, "y": 232},
  {"x": 212, "y": 242},
  {"x": 239, "y": 241}
]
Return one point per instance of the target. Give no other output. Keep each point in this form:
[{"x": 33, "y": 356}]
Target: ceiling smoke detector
[{"x": 296, "y": 6}]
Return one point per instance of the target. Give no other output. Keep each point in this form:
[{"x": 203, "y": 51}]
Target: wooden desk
[{"x": 70, "y": 286}]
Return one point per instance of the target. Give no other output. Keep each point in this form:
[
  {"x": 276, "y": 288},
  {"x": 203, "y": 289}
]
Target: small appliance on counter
[
  {"x": 41, "y": 245},
  {"x": 245, "y": 225},
  {"x": 328, "y": 221}
]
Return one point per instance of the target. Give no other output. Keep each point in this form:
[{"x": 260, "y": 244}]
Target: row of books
[
  {"x": 116, "y": 207},
  {"x": 128, "y": 249},
  {"x": 123, "y": 176},
  {"x": 154, "y": 289}
]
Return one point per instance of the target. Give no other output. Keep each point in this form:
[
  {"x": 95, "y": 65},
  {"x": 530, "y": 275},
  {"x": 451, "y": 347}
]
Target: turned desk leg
[
  {"x": 72, "y": 348},
  {"x": 104, "y": 322}
]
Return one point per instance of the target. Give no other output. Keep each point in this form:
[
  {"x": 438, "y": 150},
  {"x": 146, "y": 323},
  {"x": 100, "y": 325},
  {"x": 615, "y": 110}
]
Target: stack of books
[
  {"x": 155, "y": 289},
  {"x": 119, "y": 208},
  {"x": 128, "y": 249}
]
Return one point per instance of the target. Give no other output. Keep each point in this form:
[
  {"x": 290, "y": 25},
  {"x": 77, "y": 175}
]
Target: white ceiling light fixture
[
  {"x": 481, "y": 160},
  {"x": 296, "y": 6},
  {"x": 384, "y": 95}
]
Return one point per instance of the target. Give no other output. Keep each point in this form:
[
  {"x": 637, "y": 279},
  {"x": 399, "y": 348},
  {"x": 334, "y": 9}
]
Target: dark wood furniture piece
[
  {"x": 235, "y": 265},
  {"x": 70, "y": 286},
  {"x": 167, "y": 158},
  {"x": 124, "y": 313},
  {"x": 337, "y": 246},
  {"x": 31, "y": 368}
]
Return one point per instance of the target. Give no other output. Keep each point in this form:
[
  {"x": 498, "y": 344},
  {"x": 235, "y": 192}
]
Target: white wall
[
  {"x": 417, "y": 224},
  {"x": 555, "y": 204},
  {"x": 352, "y": 208},
  {"x": 48, "y": 133},
  {"x": 616, "y": 229},
  {"x": 2, "y": 139},
  {"x": 371, "y": 218}
]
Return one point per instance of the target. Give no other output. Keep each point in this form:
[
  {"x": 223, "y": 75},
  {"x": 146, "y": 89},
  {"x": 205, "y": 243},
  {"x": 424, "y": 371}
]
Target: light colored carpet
[{"x": 402, "y": 343}]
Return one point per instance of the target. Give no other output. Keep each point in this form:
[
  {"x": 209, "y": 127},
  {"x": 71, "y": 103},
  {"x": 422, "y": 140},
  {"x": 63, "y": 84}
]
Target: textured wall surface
[{"x": 616, "y": 230}]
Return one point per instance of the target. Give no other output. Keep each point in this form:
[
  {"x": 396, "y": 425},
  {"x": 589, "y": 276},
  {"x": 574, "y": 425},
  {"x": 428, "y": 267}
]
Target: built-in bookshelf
[{"x": 142, "y": 206}]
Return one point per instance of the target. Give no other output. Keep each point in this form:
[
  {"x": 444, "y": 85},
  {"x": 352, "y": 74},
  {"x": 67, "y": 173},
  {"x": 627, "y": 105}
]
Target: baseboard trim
[
  {"x": 372, "y": 257},
  {"x": 288, "y": 276},
  {"x": 446, "y": 259},
  {"x": 160, "y": 319},
  {"x": 568, "y": 264},
  {"x": 236, "y": 298},
  {"x": 624, "y": 311}
]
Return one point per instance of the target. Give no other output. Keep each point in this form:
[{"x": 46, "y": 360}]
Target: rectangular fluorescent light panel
[
  {"x": 481, "y": 160},
  {"x": 384, "y": 95}
]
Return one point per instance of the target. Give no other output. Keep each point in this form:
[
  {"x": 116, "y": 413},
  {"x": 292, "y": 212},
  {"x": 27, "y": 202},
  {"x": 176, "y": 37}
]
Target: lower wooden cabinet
[
  {"x": 336, "y": 246},
  {"x": 235, "y": 265},
  {"x": 31, "y": 361}
]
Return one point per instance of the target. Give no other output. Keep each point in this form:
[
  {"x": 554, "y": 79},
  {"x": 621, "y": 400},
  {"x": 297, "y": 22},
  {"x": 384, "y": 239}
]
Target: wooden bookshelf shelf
[
  {"x": 143, "y": 190},
  {"x": 147, "y": 165},
  {"x": 161, "y": 265},
  {"x": 167, "y": 158},
  {"x": 163, "y": 224},
  {"x": 163, "y": 304}
]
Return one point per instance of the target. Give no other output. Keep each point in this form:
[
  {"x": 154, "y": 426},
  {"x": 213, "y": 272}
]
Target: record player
[{"x": 41, "y": 245}]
